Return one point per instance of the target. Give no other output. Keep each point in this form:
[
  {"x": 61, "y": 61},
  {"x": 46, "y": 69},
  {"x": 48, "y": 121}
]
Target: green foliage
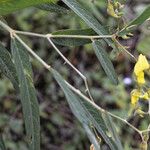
[
  {"x": 137, "y": 21},
  {"x": 27, "y": 93},
  {"x": 9, "y": 6},
  {"x": 73, "y": 41},
  {"x": 105, "y": 61},
  {"x": 7, "y": 66},
  {"x": 97, "y": 122},
  {"x": 91, "y": 135},
  {"x": 88, "y": 113},
  {"x": 2, "y": 145},
  {"x": 89, "y": 19},
  {"x": 52, "y": 7},
  {"x": 141, "y": 18}
]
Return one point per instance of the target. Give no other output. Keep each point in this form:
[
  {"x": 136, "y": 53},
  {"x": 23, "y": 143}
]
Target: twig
[
  {"x": 74, "y": 68},
  {"x": 32, "y": 52},
  {"x": 63, "y": 36},
  {"x": 48, "y": 67},
  {"x": 122, "y": 47}
]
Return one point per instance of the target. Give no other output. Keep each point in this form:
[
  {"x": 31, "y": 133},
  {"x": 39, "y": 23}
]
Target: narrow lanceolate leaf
[
  {"x": 2, "y": 145},
  {"x": 137, "y": 21},
  {"x": 52, "y": 7},
  {"x": 9, "y": 6},
  {"x": 7, "y": 66},
  {"x": 105, "y": 61},
  {"x": 141, "y": 18},
  {"x": 93, "y": 139},
  {"x": 73, "y": 41},
  {"x": 27, "y": 94},
  {"x": 89, "y": 19},
  {"x": 86, "y": 111},
  {"x": 112, "y": 129}
]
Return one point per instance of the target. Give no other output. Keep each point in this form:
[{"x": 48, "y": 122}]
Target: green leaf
[
  {"x": 92, "y": 137},
  {"x": 105, "y": 61},
  {"x": 52, "y": 7},
  {"x": 2, "y": 145},
  {"x": 112, "y": 129},
  {"x": 27, "y": 93},
  {"x": 9, "y": 6},
  {"x": 73, "y": 41},
  {"x": 141, "y": 18},
  {"x": 143, "y": 45},
  {"x": 86, "y": 111},
  {"x": 137, "y": 21},
  {"x": 89, "y": 19},
  {"x": 7, "y": 66}
]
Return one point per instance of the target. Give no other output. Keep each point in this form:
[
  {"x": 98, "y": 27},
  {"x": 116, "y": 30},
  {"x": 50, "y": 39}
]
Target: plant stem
[
  {"x": 80, "y": 36},
  {"x": 32, "y": 52},
  {"x": 63, "y": 36},
  {"x": 30, "y": 34},
  {"x": 5, "y": 26},
  {"x": 48, "y": 67},
  {"x": 123, "y": 48},
  {"x": 74, "y": 68}
]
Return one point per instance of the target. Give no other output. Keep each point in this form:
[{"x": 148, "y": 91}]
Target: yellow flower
[
  {"x": 140, "y": 78},
  {"x": 141, "y": 65},
  {"x": 145, "y": 96},
  {"x": 135, "y": 94}
]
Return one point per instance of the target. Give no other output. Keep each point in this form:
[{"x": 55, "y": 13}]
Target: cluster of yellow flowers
[{"x": 141, "y": 66}]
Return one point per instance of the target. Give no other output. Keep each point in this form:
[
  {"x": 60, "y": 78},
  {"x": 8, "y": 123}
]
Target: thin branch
[
  {"x": 30, "y": 34},
  {"x": 123, "y": 48},
  {"x": 80, "y": 36},
  {"x": 147, "y": 130},
  {"x": 102, "y": 110},
  {"x": 63, "y": 36},
  {"x": 32, "y": 52},
  {"x": 5, "y": 26},
  {"x": 74, "y": 68},
  {"x": 48, "y": 67}
]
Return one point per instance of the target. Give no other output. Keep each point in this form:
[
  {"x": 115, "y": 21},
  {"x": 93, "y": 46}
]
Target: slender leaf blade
[
  {"x": 92, "y": 137},
  {"x": 2, "y": 144},
  {"x": 84, "y": 110},
  {"x": 9, "y": 6},
  {"x": 111, "y": 127},
  {"x": 27, "y": 94},
  {"x": 141, "y": 18},
  {"x": 137, "y": 21},
  {"x": 52, "y": 7},
  {"x": 89, "y": 19},
  {"x": 7, "y": 66},
  {"x": 73, "y": 41},
  {"x": 105, "y": 61}
]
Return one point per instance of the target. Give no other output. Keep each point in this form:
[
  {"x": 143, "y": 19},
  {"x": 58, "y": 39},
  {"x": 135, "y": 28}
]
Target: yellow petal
[
  {"x": 140, "y": 78},
  {"x": 145, "y": 96},
  {"x": 135, "y": 94},
  {"x": 141, "y": 65}
]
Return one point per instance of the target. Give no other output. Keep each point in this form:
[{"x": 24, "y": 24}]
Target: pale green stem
[
  {"x": 122, "y": 47},
  {"x": 63, "y": 36},
  {"x": 48, "y": 67},
  {"x": 72, "y": 66}
]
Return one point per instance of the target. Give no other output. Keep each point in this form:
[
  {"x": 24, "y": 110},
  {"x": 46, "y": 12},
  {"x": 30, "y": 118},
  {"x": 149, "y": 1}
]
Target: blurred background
[{"x": 60, "y": 130}]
